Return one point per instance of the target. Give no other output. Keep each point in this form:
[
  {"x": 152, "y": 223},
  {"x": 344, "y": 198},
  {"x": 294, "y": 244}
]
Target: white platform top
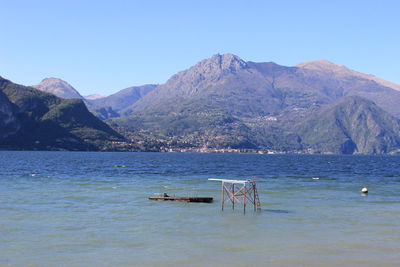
[{"x": 230, "y": 181}]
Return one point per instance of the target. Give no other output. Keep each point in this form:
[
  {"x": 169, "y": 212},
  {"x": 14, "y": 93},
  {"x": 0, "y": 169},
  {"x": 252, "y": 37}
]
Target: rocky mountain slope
[
  {"x": 340, "y": 70},
  {"x": 258, "y": 89},
  {"x": 32, "y": 119}
]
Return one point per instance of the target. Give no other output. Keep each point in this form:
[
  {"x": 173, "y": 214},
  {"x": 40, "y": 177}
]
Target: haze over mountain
[
  {"x": 32, "y": 119},
  {"x": 94, "y": 96},
  {"x": 224, "y": 101}
]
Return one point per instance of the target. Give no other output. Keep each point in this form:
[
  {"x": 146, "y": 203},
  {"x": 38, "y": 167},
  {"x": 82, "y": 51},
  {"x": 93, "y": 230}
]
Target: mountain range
[{"x": 226, "y": 102}]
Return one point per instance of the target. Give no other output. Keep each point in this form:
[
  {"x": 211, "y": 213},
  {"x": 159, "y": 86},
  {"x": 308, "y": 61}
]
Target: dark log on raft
[{"x": 183, "y": 199}]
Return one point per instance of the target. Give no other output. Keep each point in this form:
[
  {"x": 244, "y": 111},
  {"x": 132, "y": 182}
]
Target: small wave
[
  {"x": 166, "y": 187},
  {"x": 271, "y": 203},
  {"x": 76, "y": 197},
  {"x": 108, "y": 187},
  {"x": 194, "y": 182},
  {"x": 385, "y": 201},
  {"x": 236, "y": 249},
  {"x": 172, "y": 187},
  {"x": 13, "y": 229},
  {"x": 135, "y": 244},
  {"x": 276, "y": 211},
  {"x": 30, "y": 174},
  {"x": 75, "y": 228}
]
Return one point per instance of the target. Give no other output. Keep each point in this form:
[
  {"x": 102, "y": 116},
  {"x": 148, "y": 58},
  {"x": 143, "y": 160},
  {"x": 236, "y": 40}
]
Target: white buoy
[{"x": 364, "y": 190}]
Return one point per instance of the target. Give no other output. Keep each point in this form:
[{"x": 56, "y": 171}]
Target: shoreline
[{"x": 205, "y": 151}]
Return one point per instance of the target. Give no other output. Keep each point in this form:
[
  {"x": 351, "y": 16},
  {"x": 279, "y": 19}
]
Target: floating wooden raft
[{"x": 182, "y": 199}]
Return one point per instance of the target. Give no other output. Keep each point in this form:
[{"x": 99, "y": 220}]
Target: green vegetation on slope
[
  {"x": 48, "y": 122},
  {"x": 352, "y": 125}
]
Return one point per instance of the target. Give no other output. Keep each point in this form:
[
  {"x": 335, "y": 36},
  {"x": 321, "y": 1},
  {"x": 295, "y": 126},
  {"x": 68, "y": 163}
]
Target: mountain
[
  {"x": 9, "y": 123},
  {"x": 351, "y": 125},
  {"x": 224, "y": 101},
  {"x": 63, "y": 89},
  {"x": 250, "y": 88},
  {"x": 32, "y": 119},
  {"x": 58, "y": 87},
  {"x": 326, "y": 66},
  {"x": 223, "y": 81},
  {"x": 341, "y": 81},
  {"x": 124, "y": 98}
]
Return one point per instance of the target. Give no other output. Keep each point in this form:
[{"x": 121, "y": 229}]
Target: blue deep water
[{"x": 92, "y": 209}]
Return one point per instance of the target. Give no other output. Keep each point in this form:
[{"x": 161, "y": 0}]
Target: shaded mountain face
[
  {"x": 225, "y": 101},
  {"x": 32, "y": 119},
  {"x": 9, "y": 123},
  {"x": 58, "y": 87},
  {"x": 351, "y": 125},
  {"x": 124, "y": 98}
]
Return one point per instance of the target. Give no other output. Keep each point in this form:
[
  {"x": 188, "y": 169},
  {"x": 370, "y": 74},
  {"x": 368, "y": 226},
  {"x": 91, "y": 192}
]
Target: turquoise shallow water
[{"x": 91, "y": 209}]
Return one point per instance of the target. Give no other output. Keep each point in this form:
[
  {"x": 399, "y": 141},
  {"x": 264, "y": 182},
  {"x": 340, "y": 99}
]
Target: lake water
[{"x": 91, "y": 209}]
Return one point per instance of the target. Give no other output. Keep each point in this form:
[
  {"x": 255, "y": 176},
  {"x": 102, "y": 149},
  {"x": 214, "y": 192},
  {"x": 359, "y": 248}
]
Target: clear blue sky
[{"x": 105, "y": 46}]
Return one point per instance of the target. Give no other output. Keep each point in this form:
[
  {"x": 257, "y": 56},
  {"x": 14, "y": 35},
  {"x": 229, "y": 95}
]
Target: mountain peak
[
  {"x": 210, "y": 69},
  {"x": 226, "y": 61},
  {"x": 58, "y": 87},
  {"x": 52, "y": 80},
  {"x": 220, "y": 63},
  {"x": 227, "y": 57}
]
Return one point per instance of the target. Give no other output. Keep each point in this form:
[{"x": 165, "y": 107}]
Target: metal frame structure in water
[{"x": 239, "y": 191}]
